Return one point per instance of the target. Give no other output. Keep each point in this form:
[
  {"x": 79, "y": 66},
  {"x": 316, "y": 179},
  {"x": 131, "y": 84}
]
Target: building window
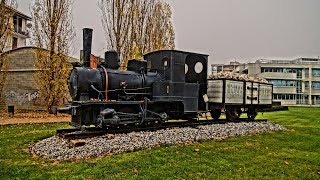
[
  {"x": 306, "y": 72},
  {"x": 279, "y": 70},
  {"x": 306, "y": 84},
  {"x": 17, "y": 22},
  {"x": 315, "y": 72},
  {"x": 14, "y": 43},
  {"x": 283, "y": 83},
  {"x": 20, "y": 25},
  {"x": 317, "y": 99},
  {"x": 284, "y": 96},
  {"x": 315, "y": 85}
]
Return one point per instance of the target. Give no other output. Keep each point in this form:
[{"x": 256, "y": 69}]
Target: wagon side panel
[
  {"x": 215, "y": 91},
  {"x": 265, "y": 94},
  {"x": 234, "y": 92}
]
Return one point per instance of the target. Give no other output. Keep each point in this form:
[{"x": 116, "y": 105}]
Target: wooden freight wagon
[{"x": 235, "y": 97}]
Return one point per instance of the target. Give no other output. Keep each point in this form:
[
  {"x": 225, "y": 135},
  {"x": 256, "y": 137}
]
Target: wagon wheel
[
  {"x": 232, "y": 114},
  {"x": 239, "y": 112},
  {"x": 216, "y": 113},
  {"x": 252, "y": 113}
]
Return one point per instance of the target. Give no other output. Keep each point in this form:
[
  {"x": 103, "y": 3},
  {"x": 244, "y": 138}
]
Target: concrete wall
[
  {"x": 284, "y": 90},
  {"x": 277, "y": 75},
  {"x": 22, "y": 42},
  {"x": 253, "y": 69},
  {"x": 20, "y": 89},
  {"x": 313, "y": 91},
  {"x": 288, "y": 102}
]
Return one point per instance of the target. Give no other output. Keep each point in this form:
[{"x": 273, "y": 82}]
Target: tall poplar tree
[
  {"x": 53, "y": 30},
  {"x": 136, "y": 27}
]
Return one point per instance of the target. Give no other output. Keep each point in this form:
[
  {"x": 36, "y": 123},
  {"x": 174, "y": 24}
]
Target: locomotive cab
[{"x": 181, "y": 85}]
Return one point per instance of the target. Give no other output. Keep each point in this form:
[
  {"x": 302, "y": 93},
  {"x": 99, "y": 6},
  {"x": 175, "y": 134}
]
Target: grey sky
[{"x": 227, "y": 30}]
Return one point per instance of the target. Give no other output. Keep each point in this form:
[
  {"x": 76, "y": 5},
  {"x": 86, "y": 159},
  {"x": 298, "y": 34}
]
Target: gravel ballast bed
[{"x": 56, "y": 148}]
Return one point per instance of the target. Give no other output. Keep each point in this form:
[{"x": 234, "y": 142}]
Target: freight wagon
[{"x": 236, "y": 97}]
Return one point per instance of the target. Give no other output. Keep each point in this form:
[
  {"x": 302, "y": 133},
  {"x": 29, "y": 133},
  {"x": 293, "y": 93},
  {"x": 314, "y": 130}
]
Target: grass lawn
[{"x": 294, "y": 154}]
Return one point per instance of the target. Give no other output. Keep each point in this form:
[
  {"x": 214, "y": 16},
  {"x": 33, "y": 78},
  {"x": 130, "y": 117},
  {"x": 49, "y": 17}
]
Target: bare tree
[
  {"x": 116, "y": 20},
  {"x": 135, "y": 27},
  {"x": 159, "y": 30},
  {"x": 6, "y": 30},
  {"x": 52, "y": 30}
]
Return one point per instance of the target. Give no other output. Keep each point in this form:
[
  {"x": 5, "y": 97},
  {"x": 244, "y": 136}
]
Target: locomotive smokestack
[{"x": 87, "y": 45}]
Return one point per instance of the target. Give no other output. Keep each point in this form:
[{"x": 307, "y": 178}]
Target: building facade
[
  {"x": 295, "y": 82},
  {"x": 20, "y": 33}
]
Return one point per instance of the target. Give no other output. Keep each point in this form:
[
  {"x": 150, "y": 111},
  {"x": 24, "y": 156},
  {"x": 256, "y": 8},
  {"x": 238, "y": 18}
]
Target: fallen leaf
[
  {"x": 286, "y": 162},
  {"x": 55, "y": 162},
  {"x": 135, "y": 170}
]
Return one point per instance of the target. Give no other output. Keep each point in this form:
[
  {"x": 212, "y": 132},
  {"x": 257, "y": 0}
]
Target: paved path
[{"x": 34, "y": 117}]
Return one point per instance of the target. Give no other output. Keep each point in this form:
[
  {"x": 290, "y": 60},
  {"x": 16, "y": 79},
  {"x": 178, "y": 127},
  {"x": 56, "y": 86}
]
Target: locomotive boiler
[{"x": 167, "y": 84}]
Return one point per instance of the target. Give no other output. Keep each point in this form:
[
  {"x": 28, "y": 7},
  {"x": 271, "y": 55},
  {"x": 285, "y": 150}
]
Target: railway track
[{"x": 89, "y": 132}]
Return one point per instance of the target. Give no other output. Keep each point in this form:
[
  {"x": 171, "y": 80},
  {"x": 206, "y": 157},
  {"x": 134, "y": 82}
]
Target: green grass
[{"x": 294, "y": 154}]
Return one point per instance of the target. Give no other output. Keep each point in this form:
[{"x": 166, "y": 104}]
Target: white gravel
[{"x": 56, "y": 148}]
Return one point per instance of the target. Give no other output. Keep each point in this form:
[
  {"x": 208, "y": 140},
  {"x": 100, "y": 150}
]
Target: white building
[
  {"x": 295, "y": 82},
  {"x": 20, "y": 34}
]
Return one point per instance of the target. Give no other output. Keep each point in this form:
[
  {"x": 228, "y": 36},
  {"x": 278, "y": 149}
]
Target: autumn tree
[
  {"x": 6, "y": 22},
  {"x": 159, "y": 29},
  {"x": 136, "y": 27},
  {"x": 52, "y": 30},
  {"x": 116, "y": 16},
  {"x": 6, "y": 30}
]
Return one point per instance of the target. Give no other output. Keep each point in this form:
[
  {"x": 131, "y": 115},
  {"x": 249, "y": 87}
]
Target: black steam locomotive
[{"x": 168, "y": 84}]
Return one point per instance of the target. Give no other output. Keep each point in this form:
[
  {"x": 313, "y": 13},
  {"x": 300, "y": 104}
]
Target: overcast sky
[{"x": 227, "y": 30}]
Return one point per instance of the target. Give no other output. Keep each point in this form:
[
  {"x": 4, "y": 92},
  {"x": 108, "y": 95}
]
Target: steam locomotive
[{"x": 167, "y": 84}]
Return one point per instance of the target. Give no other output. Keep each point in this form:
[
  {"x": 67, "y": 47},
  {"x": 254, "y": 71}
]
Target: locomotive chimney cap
[{"x": 90, "y": 29}]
